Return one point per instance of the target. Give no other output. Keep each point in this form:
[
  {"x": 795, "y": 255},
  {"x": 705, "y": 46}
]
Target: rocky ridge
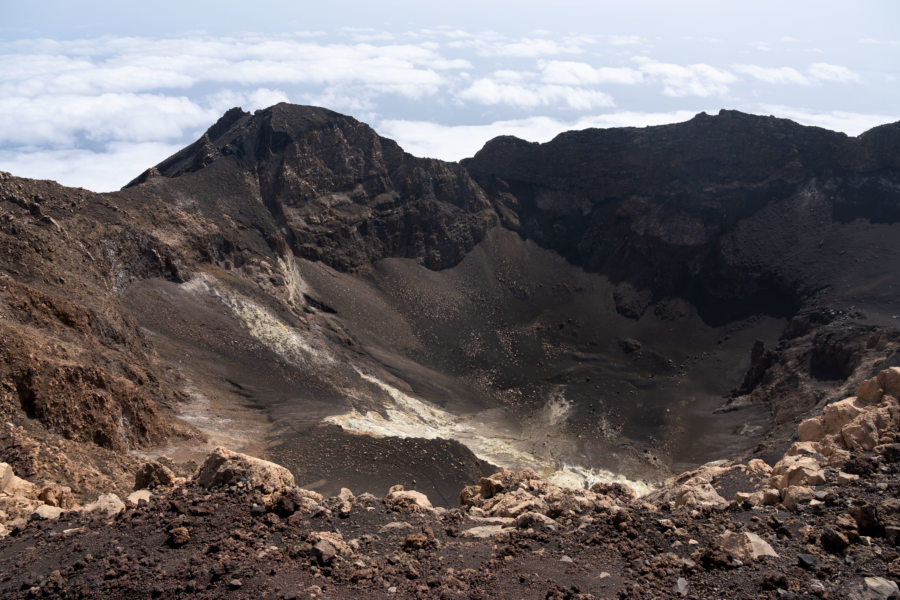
[
  {"x": 823, "y": 523},
  {"x": 292, "y": 266}
]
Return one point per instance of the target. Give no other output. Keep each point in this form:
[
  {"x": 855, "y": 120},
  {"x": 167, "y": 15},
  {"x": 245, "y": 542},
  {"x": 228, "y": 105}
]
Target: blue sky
[{"x": 92, "y": 93}]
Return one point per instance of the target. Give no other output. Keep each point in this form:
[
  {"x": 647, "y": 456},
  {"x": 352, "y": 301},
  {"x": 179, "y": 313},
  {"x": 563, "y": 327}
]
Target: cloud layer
[{"x": 95, "y": 112}]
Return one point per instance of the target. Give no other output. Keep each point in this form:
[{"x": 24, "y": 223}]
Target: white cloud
[
  {"x": 787, "y": 75},
  {"x": 579, "y": 73},
  {"x": 489, "y": 91},
  {"x": 687, "y": 80},
  {"x": 59, "y": 120},
  {"x": 533, "y": 48},
  {"x": 489, "y": 43},
  {"x": 103, "y": 171},
  {"x": 136, "y": 65},
  {"x": 833, "y": 73},
  {"x": 773, "y": 74},
  {"x": 367, "y": 34},
  {"x": 626, "y": 40},
  {"x": 455, "y": 142}
]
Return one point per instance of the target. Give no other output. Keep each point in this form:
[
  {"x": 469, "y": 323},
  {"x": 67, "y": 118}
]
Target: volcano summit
[{"x": 613, "y": 306}]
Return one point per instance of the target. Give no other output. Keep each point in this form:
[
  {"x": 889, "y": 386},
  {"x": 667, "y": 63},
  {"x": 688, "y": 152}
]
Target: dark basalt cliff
[{"x": 740, "y": 214}]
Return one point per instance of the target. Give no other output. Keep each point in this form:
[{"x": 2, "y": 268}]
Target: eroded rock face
[
  {"x": 619, "y": 201},
  {"x": 335, "y": 190}
]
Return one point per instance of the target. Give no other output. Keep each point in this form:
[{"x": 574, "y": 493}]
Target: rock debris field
[{"x": 824, "y": 522}]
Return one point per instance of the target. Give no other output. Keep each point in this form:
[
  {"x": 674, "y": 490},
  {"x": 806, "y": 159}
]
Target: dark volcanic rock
[
  {"x": 331, "y": 188},
  {"x": 739, "y": 213}
]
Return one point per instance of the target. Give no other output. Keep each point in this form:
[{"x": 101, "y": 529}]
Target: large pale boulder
[
  {"x": 811, "y": 430},
  {"x": 13, "y": 485},
  {"x": 869, "y": 391},
  {"x": 745, "y": 545},
  {"x": 399, "y": 498},
  {"x": 797, "y": 470},
  {"x": 516, "y": 503},
  {"x": 838, "y": 414},
  {"x": 47, "y": 512},
  {"x": 865, "y": 431},
  {"x": 889, "y": 380},
  {"x": 57, "y": 495},
  {"x": 813, "y": 449},
  {"x": 796, "y": 495},
  {"x": 226, "y": 468},
  {"x": 485, "y": 531},
  {"x": 699, "y": 495},
  {"x": 110, "y": 504},
  {"x": 136, "y": 496}
]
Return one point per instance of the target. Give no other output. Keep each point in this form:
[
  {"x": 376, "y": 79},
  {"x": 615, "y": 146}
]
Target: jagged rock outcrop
[
  {"x": 329, "y": 188},
  {"x": 689, "y": 209}
]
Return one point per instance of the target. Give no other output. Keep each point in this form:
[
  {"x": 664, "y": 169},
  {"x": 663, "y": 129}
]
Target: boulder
[
  {"x": 401, "y": 499},
  {"x": 335, "y": 540},
  {"x": 811, "y": 430},
  {"x": 813, "y": 449},
  {"x": 226, "y": 468},
  {"x": 757, "y": 466},
  {"x": 516, "y": 503},
  {"x": 797, "y": 471},
  {"x": 6, "y": 476},
  {"x": 864, "y": 432},
  {"x": 470, "y": 496},
  {"x": 699, "y": 495},
  {"x": 297, "y": 499},
  {"x": 153, "y": 474},
  {"x": 860, "y": 435},
  {"x": 838, "y": 414},
  {"x": 888, "y": 515},
  {"x": 770, "y": 497},
  {"x": 869, "y": 391},
  {"x": 749, "y": 498},
  {"x": 796, "y": 495},
  {"x": 57, "y": 495},
  {"x": 889, "y": 380},
  {"x": 179, "y": 536},
  {"x": 13, "y": 485},
  {"x": 324, "y": 552},
  {"x": 111, "y": 504},
  {"x": 136, "y": 496},
  {"x": 484, "y": 531},
  {"x": 535, "y": 520},
  {"x": 617, "y": 491},
  {"x": 745, "y": 545},
  {"x": 346, "y": 501},
  {"x": 846, "y": 478},
  {"x": 47, "y": 512},
  {"x": 875, "y": 588}
]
